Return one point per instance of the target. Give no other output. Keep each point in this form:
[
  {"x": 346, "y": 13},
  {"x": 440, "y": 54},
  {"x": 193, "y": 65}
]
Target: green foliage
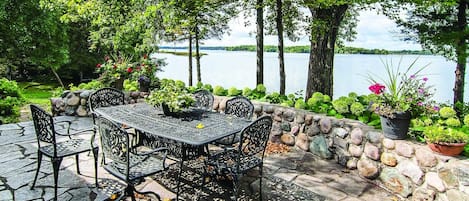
[
  {"x": 11, "y": 99},
  {"x": 32, "y": 38},
  {"x": 234, "y": 92},
  {"x": 207, "y": 87},
  {"x": 300, "y": 104},
  {"x": 219, "y": 91},
  {"x": 172, "y": 94},
  {"x": 275, "y": 98},
  {"x": 130, "y": 85},
  {"x": 91, "y": 85},
  {"x": 247, "y": 92},
  {"x": 441, "y": 134},
  {"x": 447, "y": 112}
]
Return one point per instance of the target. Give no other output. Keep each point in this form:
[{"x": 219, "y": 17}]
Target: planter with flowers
[
  {"x": 115, "y": 69},
  {"x": 404, "y": 95},
  {"x": 172, "y": 96},
  {"x": 446, "y": 135}
]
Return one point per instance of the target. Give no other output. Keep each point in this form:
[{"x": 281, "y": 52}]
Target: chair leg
[
  {"x": 95, "y": 156},
  {"x": 39, "y": 159},
  {"x": 77, "y": 160},
  {"x": 56, "y": 166},
  {"x": 130, "y": 191},
  {"x": 179, "y": 178},
  {"x": 260, "y": 182},
  {"x": 235, "y": 185}
]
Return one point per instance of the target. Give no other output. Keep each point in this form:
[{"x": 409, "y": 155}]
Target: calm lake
[{"x": 238, "y": 69}]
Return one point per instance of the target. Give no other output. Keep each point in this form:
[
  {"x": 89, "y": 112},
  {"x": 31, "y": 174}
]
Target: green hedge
[{"x": 11, "y": 100}]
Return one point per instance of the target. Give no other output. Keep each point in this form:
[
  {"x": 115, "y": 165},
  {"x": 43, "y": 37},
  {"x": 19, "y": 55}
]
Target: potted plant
[
  {"x": 404, "y": 95},
  {"x": 446, "y": 136},
  {"x": 172, "y": 96}
]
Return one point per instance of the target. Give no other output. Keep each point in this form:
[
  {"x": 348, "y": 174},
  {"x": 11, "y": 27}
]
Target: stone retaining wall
[{"x": 408, "y": 169}]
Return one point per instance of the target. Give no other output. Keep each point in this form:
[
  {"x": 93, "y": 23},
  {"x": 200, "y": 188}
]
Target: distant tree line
[{"x": 306, "y": 49}]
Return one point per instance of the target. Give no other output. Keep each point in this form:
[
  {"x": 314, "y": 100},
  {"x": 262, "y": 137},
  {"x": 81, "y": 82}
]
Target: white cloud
[{"x": 373, "y": 32}]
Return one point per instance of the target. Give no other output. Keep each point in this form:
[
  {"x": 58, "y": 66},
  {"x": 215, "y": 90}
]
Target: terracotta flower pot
[{"x": 447, "y": 149}]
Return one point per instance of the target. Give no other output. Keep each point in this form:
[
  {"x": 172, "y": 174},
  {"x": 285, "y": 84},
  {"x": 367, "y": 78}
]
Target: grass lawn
[{"x": 36, "y": 93}]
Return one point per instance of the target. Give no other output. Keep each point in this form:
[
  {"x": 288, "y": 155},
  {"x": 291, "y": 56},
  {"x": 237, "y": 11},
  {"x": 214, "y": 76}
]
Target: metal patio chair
[
  {"x": 50, "y": 146},
  {"x": 203, "y": 99},
  {"x": 241, "y": 107},
  {"x": 130, "y": 167},
  {"x": 249, "y": 154}
]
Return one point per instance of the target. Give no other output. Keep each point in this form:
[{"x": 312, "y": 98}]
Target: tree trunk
[
  {"x": 260, "y": 41},
  {"x": 280, "y": 47},
  {"x": 190, "y": 59},
  {"x": 58, "y": 77},
  {"x": 197, "y": 54},
  {"x": 321, "y": 59},
  {"x": 461, "y": 48}
]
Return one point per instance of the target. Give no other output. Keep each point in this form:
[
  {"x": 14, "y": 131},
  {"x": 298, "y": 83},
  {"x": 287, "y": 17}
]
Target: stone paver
[{"x": 296, "y": 175}]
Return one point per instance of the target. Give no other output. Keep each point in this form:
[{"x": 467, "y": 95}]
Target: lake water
[{"x": 238, "y": 69}]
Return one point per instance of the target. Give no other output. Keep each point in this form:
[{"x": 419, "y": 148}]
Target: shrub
[
  {"x": 219, "y": 91},
  {"x": 247, "y": 92},
  {"x": 130, "y": 85},
  {"x": 10, "y": 101},
  {"x": 234, "y": 92},
  {"x": 207, "y": 87}
]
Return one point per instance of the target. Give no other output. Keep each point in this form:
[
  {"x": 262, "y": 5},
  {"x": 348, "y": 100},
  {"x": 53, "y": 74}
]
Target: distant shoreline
[{"x": 305, "y": 49}]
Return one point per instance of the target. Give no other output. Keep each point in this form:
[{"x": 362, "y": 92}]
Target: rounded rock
[
  {"x": 308, "y": 119},
  {"x": 302, "y": 141},
  {"x": 388, "y": 159},
  {"x": 404, "y": 149},
  {"x": 325, "y": 124},
  {"x": 288, "y": 139},
  {"x": 300, "y": 118},
  {"x": 355, "y": 150},
  {"x": 425, "y": 158},
  {"x": 388, "y": 143},
  {"x": 356, "y": 136},
  {"x": 367, "y": 169},
  {"x": 371, "y": 151},
  {"x": 374, "y": 137}
]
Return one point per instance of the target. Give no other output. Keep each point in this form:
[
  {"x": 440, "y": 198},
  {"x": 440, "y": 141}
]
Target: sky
[{"x": 373, "y": 32}]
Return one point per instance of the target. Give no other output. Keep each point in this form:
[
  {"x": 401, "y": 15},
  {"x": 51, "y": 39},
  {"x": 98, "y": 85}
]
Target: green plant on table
[{"x": 171, "y": 93}]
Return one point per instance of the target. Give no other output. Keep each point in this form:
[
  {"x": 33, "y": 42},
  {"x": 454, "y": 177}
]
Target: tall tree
[
  {"x": 32, "y": 37},
  {"x": 121, "y": 27},
  {"x": 280, "y": 12},
  {"x": 327, "y": 21},
  {"x": 202, "y": 19},
  {"x": 260, "y": 41},
  {"x": 439, "y": 26}
]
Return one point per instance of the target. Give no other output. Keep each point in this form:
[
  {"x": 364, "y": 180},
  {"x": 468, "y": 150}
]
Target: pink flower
[
  {"x": 420, "y": 104},
  {"x": 98, "y": 65},
  {"x": 377, "y": 88},
  {"x": 412, "y": 76},
  {"x": 425, "y": 79},
  {"x": 129, "y": 69},
  {"x": 421, "y": 91}
]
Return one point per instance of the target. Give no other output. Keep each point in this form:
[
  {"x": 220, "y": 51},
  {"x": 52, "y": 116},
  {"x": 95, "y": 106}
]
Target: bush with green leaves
[
  {"x": 219, "y": 91},
  {"x": 207, "y": 87},
  {"x": 247, "y": 92},
  {"x": 92, "y": 85},
  {"x": 234, "y": 92},
  {"x": 11, "y": 99},
  {"x": 275, "y": 98},
  {"x": 321, "y": 103},
  {"x": 130, "y": 85}
]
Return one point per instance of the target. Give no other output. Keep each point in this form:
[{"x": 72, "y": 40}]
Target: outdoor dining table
[{"x": 185, "y": 135}]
